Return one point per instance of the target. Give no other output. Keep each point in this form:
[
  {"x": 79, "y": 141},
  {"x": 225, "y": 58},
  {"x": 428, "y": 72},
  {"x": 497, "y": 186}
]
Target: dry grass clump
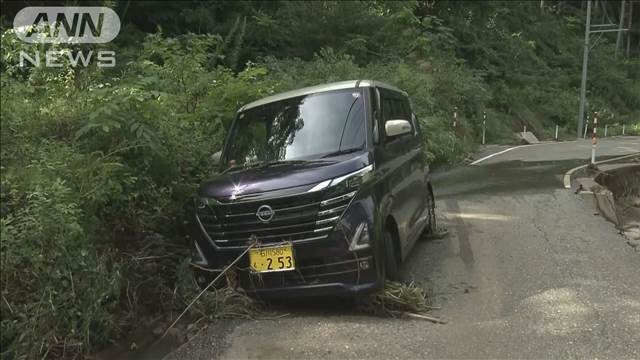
[
  {"x": 226, "y": 302},
  {"x": 399, "y": 299}
]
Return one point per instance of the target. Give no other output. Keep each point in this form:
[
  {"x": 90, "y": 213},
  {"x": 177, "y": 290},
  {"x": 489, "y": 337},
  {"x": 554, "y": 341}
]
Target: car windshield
[{"x": 301, "y": 128}]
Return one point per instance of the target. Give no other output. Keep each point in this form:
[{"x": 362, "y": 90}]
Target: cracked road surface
[{"x": 527, "y": 272}]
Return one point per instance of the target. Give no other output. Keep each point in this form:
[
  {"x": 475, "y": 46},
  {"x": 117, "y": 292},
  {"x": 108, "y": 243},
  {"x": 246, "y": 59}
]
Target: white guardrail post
[
  {"x": 605, "y": 130},
  {"x": 455, "y": 120},
  {"x": 455, "y": 117},
  {"x": 556, "y": 132},
  {"x": 586, "y": 127},
  {"x": 484, "y": 126},
  {"x": 594, "y": 140}
]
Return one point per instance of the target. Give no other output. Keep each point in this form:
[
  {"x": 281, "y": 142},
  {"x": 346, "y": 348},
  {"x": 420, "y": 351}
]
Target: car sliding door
[{"x": 401, "y": 158}]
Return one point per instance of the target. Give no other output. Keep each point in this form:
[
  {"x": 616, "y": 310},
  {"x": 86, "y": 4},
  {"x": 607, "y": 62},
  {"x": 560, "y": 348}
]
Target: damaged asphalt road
[{"x": 527, "y": 272}]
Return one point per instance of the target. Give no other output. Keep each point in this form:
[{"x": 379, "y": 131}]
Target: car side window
[
  {"x": 395, "y": 107},
  {"x": 388, "y": 109},
  {"x": 392, "y": 109},
  {"x": 406, "y": 109},
  {"x": 413, "y": 119}
]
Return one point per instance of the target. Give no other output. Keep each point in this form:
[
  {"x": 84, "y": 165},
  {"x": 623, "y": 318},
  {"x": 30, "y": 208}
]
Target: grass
[
  {"x": 398, "y": 299},
  {"x": 394, "y": 299},
  {"x": 223, "y": 303}
]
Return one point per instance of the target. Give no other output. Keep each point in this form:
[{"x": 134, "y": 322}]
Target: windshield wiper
[
  {"x": 341, "y": 152},
  {"x": 263, "y": 164},
  {"x": 243, "y": 166},
  {"x": 282, "y": 162}
]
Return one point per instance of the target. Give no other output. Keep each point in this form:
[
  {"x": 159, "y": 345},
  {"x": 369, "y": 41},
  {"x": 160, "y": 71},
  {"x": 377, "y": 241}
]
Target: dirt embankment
[{"x": 623, "y": 180}]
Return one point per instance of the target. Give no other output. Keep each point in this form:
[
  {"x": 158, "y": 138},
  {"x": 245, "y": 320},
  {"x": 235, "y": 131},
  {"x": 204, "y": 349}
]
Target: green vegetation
[{"x": 98, "y": 163}]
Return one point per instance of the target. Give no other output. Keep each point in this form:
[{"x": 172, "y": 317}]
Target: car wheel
[{"x": 390, "y": 263}]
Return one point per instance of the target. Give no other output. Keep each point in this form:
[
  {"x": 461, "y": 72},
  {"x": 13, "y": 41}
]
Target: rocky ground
[{"x": 629, "y": 210}]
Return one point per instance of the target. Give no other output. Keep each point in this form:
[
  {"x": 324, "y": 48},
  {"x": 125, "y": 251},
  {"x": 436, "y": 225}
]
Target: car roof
[{"x": 349, "y": 84}]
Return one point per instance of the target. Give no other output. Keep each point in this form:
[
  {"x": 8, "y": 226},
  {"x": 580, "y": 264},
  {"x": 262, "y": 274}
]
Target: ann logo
[
  {"x": 71, "y": 29},
  {"x": 62, "y": 24}
]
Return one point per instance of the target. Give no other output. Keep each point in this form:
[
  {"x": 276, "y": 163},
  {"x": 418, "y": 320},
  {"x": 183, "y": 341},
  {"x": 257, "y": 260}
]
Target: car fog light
[
  {"x": 360, "y": 239},
  {"x": 364, "y": 265}
]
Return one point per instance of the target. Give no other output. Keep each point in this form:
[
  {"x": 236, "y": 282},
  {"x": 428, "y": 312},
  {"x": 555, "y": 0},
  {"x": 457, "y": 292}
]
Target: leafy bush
[
  {"x": 59, "y": 293},
  {"x": 96, "y": 169}
]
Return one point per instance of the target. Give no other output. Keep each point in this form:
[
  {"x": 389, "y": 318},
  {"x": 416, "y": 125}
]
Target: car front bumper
[{"x": 324, "y": 267}]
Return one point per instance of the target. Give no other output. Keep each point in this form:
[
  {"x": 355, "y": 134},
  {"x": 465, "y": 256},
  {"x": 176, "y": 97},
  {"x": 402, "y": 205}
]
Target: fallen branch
[
  {"x": 207, "y": 287},
  {"x": 425, "y": 317}
]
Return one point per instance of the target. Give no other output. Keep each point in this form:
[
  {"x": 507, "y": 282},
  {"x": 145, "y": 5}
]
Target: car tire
[{"x": 390, "y": 263}]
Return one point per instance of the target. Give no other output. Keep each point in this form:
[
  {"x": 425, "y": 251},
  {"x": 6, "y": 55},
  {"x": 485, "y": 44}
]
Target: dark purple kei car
[{"x": 331, "y": 185}]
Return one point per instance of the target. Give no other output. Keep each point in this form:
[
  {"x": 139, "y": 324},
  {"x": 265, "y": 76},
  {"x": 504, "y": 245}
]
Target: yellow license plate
[{"x": 272, "y": 258}]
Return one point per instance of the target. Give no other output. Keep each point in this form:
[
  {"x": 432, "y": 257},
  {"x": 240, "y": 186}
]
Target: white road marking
[
  {"x": 498, "y": 153},
  {"x": 567, "y": 175}
]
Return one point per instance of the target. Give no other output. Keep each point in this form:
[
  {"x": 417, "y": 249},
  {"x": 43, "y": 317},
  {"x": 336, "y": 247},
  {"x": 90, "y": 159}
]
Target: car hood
[{"x": 280, "y": 178}]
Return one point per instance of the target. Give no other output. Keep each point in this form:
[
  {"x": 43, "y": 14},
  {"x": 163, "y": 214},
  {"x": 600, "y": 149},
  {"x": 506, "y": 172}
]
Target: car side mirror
[
  {"x": 216, "y": 157},
  {"x": 397, "y": 127}
]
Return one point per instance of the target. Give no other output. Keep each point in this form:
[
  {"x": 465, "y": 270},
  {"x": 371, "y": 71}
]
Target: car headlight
[
  {"x": 341, "y": 192},
  {"x": 345, "y": 183},
  {"x": 355, "y": 223}
]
